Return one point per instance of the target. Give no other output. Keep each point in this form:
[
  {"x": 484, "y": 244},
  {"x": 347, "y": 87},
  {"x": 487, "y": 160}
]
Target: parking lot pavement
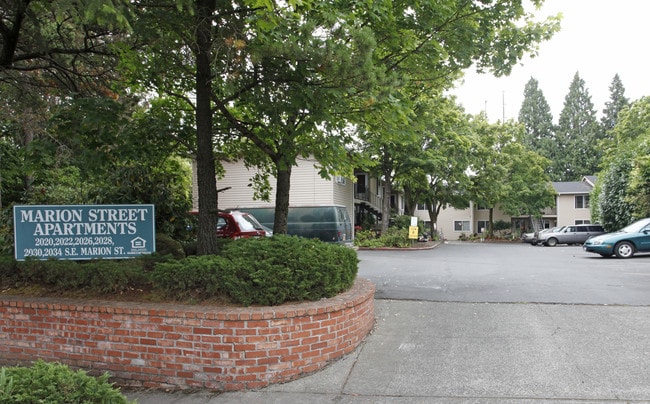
[{"x": 450, "y": 352}]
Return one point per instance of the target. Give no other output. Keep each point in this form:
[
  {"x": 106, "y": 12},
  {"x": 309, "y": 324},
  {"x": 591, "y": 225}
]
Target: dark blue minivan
[{"x": 326, "y": 223}]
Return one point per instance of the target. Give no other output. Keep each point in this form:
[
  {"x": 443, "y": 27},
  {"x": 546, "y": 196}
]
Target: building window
[
  {"x": 361, "y": 184},
  {"x": 482, "y": 207},
  {"x": 582, "y": 201},
  {"x": 421, "y": 206},
  {"x": 582, "y": 222},
  {"x": 461, "y": 225},
  {"x": 339, "y": 180},
  {"x": 482, "y": 226}
]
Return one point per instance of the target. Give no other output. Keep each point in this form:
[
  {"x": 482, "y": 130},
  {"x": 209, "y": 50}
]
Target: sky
[{"x": 598, "y": 39}]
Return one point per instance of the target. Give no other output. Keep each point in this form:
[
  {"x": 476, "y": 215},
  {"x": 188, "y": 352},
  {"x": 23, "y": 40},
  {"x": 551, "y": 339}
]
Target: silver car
[
  {"x": 535, "y": 239},
  {"x": 576, "y": 234}
]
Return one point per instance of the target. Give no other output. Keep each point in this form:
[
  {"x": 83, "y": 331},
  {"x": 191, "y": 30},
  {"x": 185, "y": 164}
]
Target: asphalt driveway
[
  {"x": 511, "y": 272},
  {"x": 485, "y": 323}
]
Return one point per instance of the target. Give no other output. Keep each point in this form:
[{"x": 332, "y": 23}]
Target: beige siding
[
  {"x": 343, "y": 194},
  {"x": 448, "y": 216},
  {"x": 567, "y": 213},
  {"x": 307, "y": 188},
  {"x": 446, "y": 220}
]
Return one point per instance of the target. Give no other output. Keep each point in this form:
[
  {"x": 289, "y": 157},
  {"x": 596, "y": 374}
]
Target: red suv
[{"x": 235, "y": 224}]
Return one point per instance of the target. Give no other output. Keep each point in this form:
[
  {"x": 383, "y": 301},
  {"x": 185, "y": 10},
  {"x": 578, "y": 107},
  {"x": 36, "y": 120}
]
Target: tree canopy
[
  {"x": 261, "y": 81},
  {"x": 535, "y": 115},
  {"x": 578, "y": 133},
  {"x": 622, "y": 194}
]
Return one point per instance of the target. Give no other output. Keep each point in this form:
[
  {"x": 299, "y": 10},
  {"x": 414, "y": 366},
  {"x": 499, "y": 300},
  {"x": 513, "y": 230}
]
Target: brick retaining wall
[{"x": 164, "y": 346}]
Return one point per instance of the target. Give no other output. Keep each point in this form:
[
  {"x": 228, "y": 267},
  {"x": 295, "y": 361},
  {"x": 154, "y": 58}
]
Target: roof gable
[{"x": 576, "y": 187}]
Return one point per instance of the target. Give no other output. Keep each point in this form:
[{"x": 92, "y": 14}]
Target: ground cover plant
[{"x": 56, "y": 384}]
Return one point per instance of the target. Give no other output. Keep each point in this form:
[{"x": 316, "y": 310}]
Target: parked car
[
  {"x": 623, "y": 243},
  {"x": 527, "y": 237},
  {"x": 330, "y": 223},
  {"x": 534, "y": 240},
  {"x": 236, "y": 225},
  {"x": 575, "y": 234}
]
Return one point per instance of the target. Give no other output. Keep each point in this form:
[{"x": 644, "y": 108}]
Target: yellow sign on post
[{"x": 413, "y": 232}]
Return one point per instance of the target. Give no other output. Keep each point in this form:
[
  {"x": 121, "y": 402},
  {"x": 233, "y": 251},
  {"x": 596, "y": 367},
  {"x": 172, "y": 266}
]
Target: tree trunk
[
  {"x": 385, "y": 205},
  {"x": 434, "y": 211},
  {"x": 283, "y": 186},
  {"x": 387, "y": 173},
  {"x": 409, "y": 201},
  {"x": 491, "y": 225},
  {"x": 206, "y": 175}
]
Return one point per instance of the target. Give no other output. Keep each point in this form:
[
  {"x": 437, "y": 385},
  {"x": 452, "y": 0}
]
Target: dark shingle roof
[{"x": 574, "y": 187}]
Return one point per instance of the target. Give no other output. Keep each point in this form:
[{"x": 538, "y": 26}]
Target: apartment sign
[{"x": 83, "y": 232}]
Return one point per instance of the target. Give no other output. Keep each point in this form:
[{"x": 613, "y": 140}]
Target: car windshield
[
  {"x": 248, "y": 223},
  {"x": 554, "y": 229},
  {"x": 636, "y": 227}
]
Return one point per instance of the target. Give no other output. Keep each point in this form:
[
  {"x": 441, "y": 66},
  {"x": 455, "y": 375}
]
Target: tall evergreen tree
[
  {"x": 617, "y": 101},
  {"x": 535, "y": 115},
  {"x": 578, "y": 133}
]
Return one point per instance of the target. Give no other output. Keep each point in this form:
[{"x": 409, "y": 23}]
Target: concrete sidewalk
[{"x": 423, "y": 352}]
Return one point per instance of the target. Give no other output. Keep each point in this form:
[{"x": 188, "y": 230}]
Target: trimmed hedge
[
  {"x": 55, "y": 383},
  {"x": 266, "y": 271},
  {"x": 96, "y": 276}
]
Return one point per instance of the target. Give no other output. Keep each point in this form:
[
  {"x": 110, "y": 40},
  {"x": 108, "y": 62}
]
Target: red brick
[{"x": 178, "y": 346}]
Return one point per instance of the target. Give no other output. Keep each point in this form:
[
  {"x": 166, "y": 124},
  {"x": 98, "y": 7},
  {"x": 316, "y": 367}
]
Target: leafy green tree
[
  {"x": 639, "y": 187},
  {"x": 439, "y": 171},
  {"x": 489, "y": 166},
  {"x": 577, "y": 151},
  {"x": 123, "y": 154},
  {"x": 50, "y": 51},
  {"x": 612, "y": 209},
  {"x": 621, "y": 194},
  {"x": 535, "y": 115},
  {"x": 530, "y": 187},
  {"x": 423, "y": 48},
  {"x": 616, "y": 103},
  {"x": 269, "y": 82},
  {"x": 99, "y": 150},
  {"x": 61, "y": 44},
  {"x": 506, "y": 174}
]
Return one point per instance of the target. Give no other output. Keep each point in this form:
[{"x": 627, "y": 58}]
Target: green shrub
[
  {"x": 165, "y": 245},
  {"x": 55, "y": 383},
  {"x": 393, "y": 237},
  {"x": 367, "y": 238},
  {"x": 7, "y": 267},
  {"x": 56, "y": 274},
  {"x": 116, "y": 276},
  {"x": 195, "y": 276},
  {"x": 6, "y": 231},
  {"x": 267, "y": 271},
  {"x": 400, "y": 222},
  {"x": 396, "y": 237},
  {"x": 270, "y": 271},
  {"x": 95, "y": 276}
]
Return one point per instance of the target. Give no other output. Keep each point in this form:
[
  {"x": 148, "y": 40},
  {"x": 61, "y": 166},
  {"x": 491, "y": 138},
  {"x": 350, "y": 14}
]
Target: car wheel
[
  {"x": 551, "y": 242},
  {"x": 624, "y": 249}
]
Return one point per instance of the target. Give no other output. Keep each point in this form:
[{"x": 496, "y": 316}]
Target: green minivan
[{"x": 326, "y": 223}]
